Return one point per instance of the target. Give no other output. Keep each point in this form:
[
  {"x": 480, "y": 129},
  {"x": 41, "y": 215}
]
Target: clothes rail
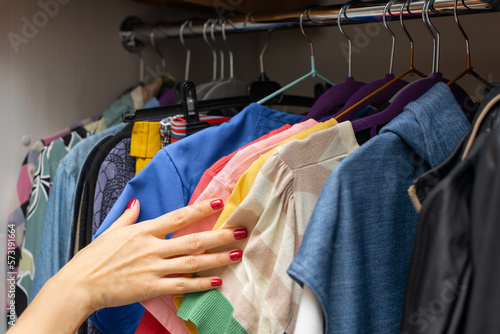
[{"x": 361, "y": 12}]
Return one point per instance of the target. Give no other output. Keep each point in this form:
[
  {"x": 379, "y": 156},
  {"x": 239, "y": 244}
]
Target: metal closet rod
[{"x": 318, "y": 16}]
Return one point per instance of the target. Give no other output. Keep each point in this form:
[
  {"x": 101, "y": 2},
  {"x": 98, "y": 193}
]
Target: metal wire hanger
[
  {"x": 410, "y": 71},
  {"x": 313, "y": 73},
  {"x": 230, "y": 87},
  {"x": 202, "y": 89},
  {"x": 468, "y": 69},
  {"x": 162, "y": 57},
  {"x": 188, "y": 50},
  {"x": 371, "y": 87}
]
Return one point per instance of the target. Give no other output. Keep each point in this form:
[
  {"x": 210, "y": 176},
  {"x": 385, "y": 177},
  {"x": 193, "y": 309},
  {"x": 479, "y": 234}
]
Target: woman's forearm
[
  {"x": 61, "y": 306},
  {"x": 129, "y": 263}
]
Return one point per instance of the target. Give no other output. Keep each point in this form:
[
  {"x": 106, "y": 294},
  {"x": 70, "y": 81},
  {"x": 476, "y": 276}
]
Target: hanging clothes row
[{"x": 323, "y": 196}]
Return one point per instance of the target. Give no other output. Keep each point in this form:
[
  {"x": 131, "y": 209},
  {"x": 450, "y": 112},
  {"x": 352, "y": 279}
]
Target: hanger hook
[
  {"x": 188, "y": 51},
  {"x": 304, "y": 33},
  {"x": 214, "y": 52},
  {"x": 153, "y": 43},
  {"x": 231, "y": 57},
  {"x": 339, "y": 20},
  {"x": 467, "y": 44},
  {"x": 141, "y": 67},
  {"x": 437, "y": 40},
  {"x": 249, "y": 16},
  {"x": 424, "y": 19},
  {"x": 261, "y": 56},
  {"x": 393, "y": 37},
  {"x": 218, "y": 47},
  {"x": 410, "y": 39}
]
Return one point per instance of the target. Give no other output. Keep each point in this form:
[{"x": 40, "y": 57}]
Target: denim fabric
[
  {"x": 54, "y": 247},
  {"x": 357, "y": 246},
  {"x": 167, "y": 182}
]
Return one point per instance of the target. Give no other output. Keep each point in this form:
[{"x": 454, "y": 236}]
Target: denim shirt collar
[{"x": 431, "y": 125}]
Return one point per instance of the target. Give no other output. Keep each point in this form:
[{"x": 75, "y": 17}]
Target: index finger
[{"x": 178, "y": 219}]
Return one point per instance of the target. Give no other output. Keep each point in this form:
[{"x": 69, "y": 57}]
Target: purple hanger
[
  {"x": 333, "y": 97},
  {"x": 168, "y": 98},
  {"x": 410, "y": 94},
  {"x": 376, "y": 100}
]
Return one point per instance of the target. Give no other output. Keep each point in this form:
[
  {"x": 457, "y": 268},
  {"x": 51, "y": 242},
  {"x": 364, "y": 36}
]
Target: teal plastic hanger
[{"x": 313, "y": 73}]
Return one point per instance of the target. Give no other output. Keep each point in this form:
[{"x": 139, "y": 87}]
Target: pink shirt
[
  {"x": 219, "y": 182},
  {"x": 222, "y": 162},
  {"x": 223, "y": 183}
]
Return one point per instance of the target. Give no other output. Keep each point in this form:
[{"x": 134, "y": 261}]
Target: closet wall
[{"x": 73, "y": 65}]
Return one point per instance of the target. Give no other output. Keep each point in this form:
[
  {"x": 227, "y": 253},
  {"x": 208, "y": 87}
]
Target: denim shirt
[{"x": 357, "y": 246}]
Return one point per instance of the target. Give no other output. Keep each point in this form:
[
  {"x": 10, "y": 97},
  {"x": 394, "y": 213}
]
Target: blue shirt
[
  {"x": 356, "y": 250},
  {"x": 167, "y": 182},
  {"x": 54, "y": 251}
]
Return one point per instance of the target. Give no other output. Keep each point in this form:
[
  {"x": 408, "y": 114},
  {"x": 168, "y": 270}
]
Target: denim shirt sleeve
[{"x": 356, "y": 250}]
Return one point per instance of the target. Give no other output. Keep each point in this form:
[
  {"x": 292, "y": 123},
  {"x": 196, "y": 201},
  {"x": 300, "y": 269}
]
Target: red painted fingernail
[
  {"x": 131, "y": 204},
  {"x": 217, "y": 204},
  {"x": 216, "y": 282},
  {"x": 236, "y": 255},
  {"x": 240, "y": 234}
]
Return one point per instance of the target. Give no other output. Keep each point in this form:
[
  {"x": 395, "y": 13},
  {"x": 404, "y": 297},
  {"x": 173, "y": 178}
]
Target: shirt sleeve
[{"x": 52, "y": 253}]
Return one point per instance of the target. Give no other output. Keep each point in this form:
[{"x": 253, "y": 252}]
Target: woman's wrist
[{"x": 61, "y": 306}]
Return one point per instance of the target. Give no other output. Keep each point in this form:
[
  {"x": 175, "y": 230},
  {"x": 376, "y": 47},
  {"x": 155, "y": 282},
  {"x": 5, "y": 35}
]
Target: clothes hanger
[
  {"x": 341, "y": 92},
  {"x": 133, "y": 45},
  {"x": 414, "y": 90},
  {"x": 185, "y": 46},
  {"x": 409, "y": 94},
  {"x": 313, "y": 73},
  {"x": 167, "y": 81},
  {"x": 460, "y": 94},
  {"x": 468, "y": 69},
  {"x": 386, "y": 94},
  {"x": 163, "y": 63},
  {"x": 410, "y": 71},
  {"x": 230, "y": 87},
  {"x": 263, "y": 86},
  {"x": 202, "y": 89},
  {"x": 206, "y": 105}
]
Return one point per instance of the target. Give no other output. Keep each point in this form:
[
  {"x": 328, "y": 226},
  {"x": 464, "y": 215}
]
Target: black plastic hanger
[{"x": 187, "y": 89}]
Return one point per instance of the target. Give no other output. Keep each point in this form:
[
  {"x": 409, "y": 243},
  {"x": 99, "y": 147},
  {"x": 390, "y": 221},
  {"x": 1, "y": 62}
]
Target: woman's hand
[{"x": 129, "y": 263}]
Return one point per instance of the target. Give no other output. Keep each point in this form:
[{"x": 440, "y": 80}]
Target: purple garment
[
  {"x": 167, "y": 98},
  {"x": 116, "y": 170}
]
